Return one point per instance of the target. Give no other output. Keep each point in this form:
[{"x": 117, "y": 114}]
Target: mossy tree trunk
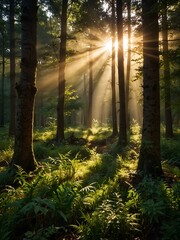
[{"x": 26, "y": 88}]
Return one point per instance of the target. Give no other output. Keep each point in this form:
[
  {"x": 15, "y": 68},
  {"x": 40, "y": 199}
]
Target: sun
[{"x": 108, "y": 44}]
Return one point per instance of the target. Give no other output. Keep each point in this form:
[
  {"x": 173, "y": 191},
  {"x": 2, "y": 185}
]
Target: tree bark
[
  {"x": 113, "y": 75},
  {"x": 128, "y": 69},
  {"x": 26, "y": 89},
  {"x": 2, "y": 122},
  {"x": 61, "y": 81},
  {"x": 149, "y": 159},
  {"x": 90, "y": 95},
  {"x": 122, "y": 111},
  {"x": 12, "y": 124},
  {"x": 167, "y": 78}
]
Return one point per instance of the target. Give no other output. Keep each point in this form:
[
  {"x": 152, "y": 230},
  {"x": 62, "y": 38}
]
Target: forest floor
[{"x": 87, "y": 188}]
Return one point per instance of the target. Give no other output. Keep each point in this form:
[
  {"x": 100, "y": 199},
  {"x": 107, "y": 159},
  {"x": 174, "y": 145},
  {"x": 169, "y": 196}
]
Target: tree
[
  {"x": 167, "y": 78},
  {"x": 149, "y": 159},
  {"x": 113, "y": 67},
  {"x": 12, "y": 70},
  {"x": 61, "y": 80},
  {"x": 128, "y": 68},
  {"x": 2, "y": 82},
  {"x": 3, "y": 34},
  {"x": 26, "y": 89},
  {"x": 122, "y": 111},
  {"x": 174, "y": 57},
  {"x": 90, "y": 24},
  {"x": 90, "y": 90}
]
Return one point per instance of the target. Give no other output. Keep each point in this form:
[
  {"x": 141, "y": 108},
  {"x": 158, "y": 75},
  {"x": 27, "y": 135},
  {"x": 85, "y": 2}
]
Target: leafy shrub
[
  {"x": 44, "y": 150},
  {"x": 38, "y": 203},
  {"x": 41, "y": 151},
  {"x": 43, "y": 233},
  {"x": 110, "y": 220},
  {"x": 159, "y": 207},
  {"x": 170, "y": 151},
  {"x": 75, "y": 151},
  {"x": 6, "y": 155}
]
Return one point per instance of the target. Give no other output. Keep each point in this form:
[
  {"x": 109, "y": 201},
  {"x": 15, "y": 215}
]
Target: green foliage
[
  {"x": 110, "y": 220},
  {"x": 158, "y": 204},
  {"x": 94, "y": 195},
  {"x": 45, "y": 150},
  {"x": 6, "y": 146},
  {"x": 43, "y": 233},
  {"x": 170, "y": 151},
  {"x": 37, "y": 204},
  {"x": 71, "y": 105},
  {"x": 72, "y": 101},
  {"x": 6, "y": 155},
  {"x": 41, "y": 151}
]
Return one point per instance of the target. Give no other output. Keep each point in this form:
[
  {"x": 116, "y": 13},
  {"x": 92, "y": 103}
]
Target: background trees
[
  {"x": 12, "y": 68},
  {"x": 167, "y": 77},
  {"x": 89, "y": 79}
]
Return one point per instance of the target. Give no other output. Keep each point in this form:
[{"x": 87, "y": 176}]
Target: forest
[{"x": 89, "y": 120}]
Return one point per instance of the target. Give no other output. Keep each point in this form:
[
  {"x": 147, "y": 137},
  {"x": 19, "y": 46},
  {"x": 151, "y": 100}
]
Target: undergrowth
[{"x": 79, "y": 193}]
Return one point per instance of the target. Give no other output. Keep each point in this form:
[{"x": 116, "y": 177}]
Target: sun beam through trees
[{"x": 89, "y": 119}]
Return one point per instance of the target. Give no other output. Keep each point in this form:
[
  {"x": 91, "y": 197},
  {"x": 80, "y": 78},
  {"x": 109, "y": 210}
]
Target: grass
[{"x": 79, "y": 192}]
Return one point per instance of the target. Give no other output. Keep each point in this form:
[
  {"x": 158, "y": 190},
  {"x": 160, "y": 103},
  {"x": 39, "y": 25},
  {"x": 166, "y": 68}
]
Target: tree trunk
[
  {"x": 122, "y": 112},
  {"x": 26, "y": 89},
  {"x": 89, "y": 120},
  {"x": 113, "y": 75},
  {"x": 167, "y": 78},
  {"x": 84, "y": 97},
  {"x": 149, "y": 160},
  {"x": 61, "y": 81},
  {"x": 128, "y": 70},
  {"x": 2, "y": 84},
  {"x": 12, "y": 124},
  {"x": 39, "y": 119}
]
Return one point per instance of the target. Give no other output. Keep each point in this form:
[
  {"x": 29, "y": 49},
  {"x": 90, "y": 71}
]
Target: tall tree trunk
[
  {"x": 61, "y": 81},
  {"x": 85, "y": 101},
  {"x": 167, "y": 78},
  {"x": 113, "y": 75},
  {"x": 12, "y": 73},
  {"x": 39, "y": 105},
  {"x": 128, "y": 70},
  {"x": 149, "y": 159},
  {"x": 89, "y": 120},
  {"x": 2, "y": 83},
  {"x": 26, "y": 88},
  {"x": 122, "y": 112}
]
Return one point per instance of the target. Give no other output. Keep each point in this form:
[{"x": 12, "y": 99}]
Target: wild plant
[
  {"x": 42, "y": 233},
  {"x": 170, "y": 227},
  {"x": 170, "y": 151},
  {"x": 110, "y": 220},
  {"x": 158, "y": 205}
]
